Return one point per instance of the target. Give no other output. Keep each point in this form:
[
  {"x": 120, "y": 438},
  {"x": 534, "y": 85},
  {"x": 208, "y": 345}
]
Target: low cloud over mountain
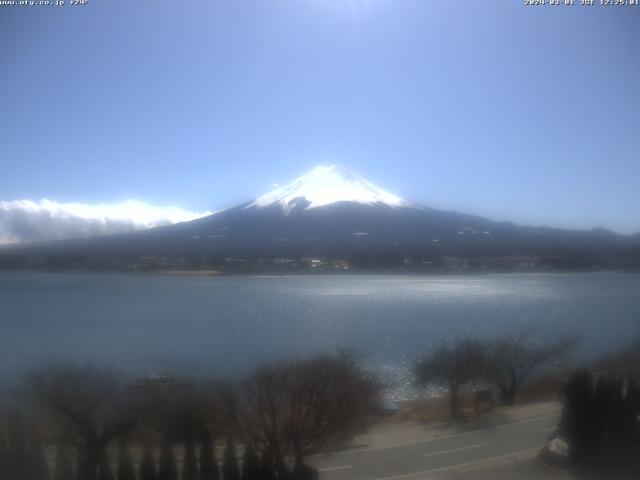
[{"x": 26, "y": 220}]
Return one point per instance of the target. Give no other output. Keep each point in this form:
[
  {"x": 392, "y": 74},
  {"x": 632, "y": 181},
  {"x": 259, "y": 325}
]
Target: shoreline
[{"x": 219, "y": 273}]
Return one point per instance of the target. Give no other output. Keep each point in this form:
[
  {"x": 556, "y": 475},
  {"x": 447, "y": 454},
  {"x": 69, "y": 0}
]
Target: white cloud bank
[{"x": 27, "y": 221}]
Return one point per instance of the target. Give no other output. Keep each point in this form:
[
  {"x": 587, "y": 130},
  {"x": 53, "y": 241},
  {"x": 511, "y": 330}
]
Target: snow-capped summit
[{"x": 325, "y": 185}]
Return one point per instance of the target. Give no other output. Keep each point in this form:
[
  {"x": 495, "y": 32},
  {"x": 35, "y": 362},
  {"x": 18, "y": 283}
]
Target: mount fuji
[
  {"x": 331, "y": 213},
  {"x": 325, "y": 185}
]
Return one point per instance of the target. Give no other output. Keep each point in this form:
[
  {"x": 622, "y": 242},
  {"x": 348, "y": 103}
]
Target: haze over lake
[{"x": 225, "y": 325}]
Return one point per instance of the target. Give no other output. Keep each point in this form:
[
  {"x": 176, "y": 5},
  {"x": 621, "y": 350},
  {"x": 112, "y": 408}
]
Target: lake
[{"x": 225, "y": 325}]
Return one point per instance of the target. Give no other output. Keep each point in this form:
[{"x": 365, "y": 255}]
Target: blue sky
[{"x": 521, "y": 113}]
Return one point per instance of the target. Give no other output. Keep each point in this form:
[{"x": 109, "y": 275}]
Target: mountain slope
[{"x": 333, "y": 213}]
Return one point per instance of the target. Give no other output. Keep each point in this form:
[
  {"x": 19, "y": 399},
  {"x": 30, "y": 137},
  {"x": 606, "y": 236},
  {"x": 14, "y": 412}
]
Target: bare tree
[
  {"x": 330, "y": 399},
  {"x": 454, "y": 366},
  {"x": 182, "y": 414},
  {"x": 90, "y": 406},
  {"x": 257, "y": 409},
  {"x": 513, "y": 357},
  {"x": 304, "y": 406}
]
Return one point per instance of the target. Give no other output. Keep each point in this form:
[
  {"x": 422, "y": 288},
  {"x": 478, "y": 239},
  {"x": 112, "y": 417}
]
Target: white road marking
[
  {"x": 330, "y": 469},
  {"x": 453, "y": 450},
  {"x": 398, "y": 445},
  {"x": 460, "y": 465},
  {"x": 443, "y": 437}
]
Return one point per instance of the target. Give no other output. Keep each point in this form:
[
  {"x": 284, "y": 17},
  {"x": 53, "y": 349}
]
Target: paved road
[{"x": 422, "y": 453}]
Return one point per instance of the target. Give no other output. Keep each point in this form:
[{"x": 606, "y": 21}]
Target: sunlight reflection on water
[{"x": 225, "y": 325}]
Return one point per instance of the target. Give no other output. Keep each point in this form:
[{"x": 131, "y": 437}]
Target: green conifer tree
[
  {"x": 600, "y": 413},
  {"x": 36, "y": 461},
  {"x": 17, "y": 455},
  {"x": 3, "y": 455},
  {"x": 267, "y": 467},
  {"x": 576, "y": 419},
  {"x": 230, "y": 470},
  {"x": 189, "y": 462},
  {"x": 104, "y": 470},
  {"x": 148, "y": 465},
  {"x": 168, "y": 469},
  {"x": 62, "y": 469},
  {"x": 208, "y": 462},
  {"x": 631, "y": 437},
  {"x": 82, "y": 472},
  {"x": 125, "y": 464},
  {"x": 616, "y": 423},
  {"x": 250, "y": 464}
]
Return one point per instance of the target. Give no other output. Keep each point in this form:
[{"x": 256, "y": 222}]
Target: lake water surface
[{"x": 225, "y": 325}]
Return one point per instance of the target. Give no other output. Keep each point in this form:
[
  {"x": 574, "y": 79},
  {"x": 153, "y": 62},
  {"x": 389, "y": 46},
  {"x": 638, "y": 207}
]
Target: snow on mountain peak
[{"x": 328, "y": 184}]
